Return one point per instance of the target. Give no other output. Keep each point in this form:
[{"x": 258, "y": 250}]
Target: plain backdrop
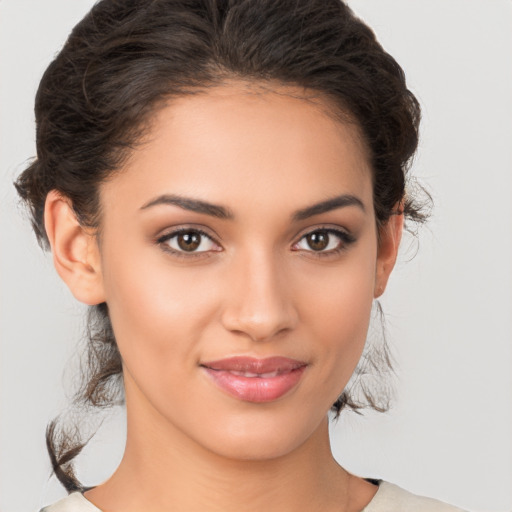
[{"x": 448, "y": 309}]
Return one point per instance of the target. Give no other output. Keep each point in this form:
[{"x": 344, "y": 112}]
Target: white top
[{"x": 389, "y": 498}]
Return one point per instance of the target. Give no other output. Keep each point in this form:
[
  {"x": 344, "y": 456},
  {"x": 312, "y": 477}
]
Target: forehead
[{"x": 246, "y": 144}]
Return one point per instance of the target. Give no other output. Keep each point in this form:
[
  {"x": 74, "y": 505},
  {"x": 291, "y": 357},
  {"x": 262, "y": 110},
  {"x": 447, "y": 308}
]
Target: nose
[{"x": 259, "y": 303}]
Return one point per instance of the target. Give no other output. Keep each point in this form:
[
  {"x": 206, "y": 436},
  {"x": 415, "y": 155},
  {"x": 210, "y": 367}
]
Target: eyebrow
[
  {"x": 326, "y": 206},
  {"x": 221, "y": 212},
  {"x": 194, "y": 205}
]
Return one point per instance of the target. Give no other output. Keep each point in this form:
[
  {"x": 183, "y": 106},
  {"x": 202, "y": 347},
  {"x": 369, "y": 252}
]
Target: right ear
[{"x": 75, "y": 250}]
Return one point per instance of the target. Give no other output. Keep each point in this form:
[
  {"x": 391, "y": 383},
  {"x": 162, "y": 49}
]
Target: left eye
[
  {"x": 322, "y": 240},
  {"x": 190, "y": 240}
]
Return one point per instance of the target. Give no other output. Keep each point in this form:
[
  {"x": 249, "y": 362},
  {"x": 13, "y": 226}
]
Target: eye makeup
[
  {"x": 194, "y": 242},
  {"x": 180, "y": 240},
  {"x": 320, "y": 240}
]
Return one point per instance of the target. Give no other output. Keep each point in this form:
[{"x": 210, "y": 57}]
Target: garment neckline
[{"x": 93, "y": 508}]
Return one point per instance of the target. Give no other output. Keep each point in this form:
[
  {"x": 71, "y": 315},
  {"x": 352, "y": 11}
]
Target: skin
[{"x": 255, "y": 288}]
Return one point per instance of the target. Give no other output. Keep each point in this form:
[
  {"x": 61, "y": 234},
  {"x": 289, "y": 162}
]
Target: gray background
[{"x": 448, "y": 309}]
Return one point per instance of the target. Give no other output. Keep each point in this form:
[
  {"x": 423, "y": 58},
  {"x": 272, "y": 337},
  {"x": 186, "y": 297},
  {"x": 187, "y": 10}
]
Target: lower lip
[{"x": 256, "y": 389}]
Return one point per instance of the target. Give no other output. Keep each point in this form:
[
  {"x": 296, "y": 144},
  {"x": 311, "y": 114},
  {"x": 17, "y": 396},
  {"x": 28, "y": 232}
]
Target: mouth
[{"x": 255, "y": 380}]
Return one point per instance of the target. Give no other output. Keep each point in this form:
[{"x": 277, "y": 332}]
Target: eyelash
[
  {"x": 346, "y": 239},
  {"x": 162, "y": 241}
]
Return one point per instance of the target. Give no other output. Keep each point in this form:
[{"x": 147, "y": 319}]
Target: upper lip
[{"x": 254, "y": 365}]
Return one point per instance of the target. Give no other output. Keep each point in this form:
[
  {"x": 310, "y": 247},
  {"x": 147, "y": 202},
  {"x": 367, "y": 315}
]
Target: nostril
[{"x": 258, "y": 330}]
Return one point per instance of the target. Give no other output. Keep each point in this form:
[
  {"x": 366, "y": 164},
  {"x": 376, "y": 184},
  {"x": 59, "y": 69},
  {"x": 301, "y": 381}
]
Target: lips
[{"x": 255, "y": 380}]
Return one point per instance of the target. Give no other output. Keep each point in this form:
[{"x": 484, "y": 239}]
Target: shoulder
[
  {"x": 75, "y": 502},
  {"x": 391, "y": 498}
]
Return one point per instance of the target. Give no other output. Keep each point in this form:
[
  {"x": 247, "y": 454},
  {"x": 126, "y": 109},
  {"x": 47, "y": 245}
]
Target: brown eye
[
  {"x": 326, "y": 241},
  {"x": 192, "y": 241},
  {"x": 318, "y": 240},
  {"x": 188, "y": 241}
]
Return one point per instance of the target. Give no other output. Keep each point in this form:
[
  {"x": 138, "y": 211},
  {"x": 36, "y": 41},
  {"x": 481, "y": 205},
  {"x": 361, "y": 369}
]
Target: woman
[{"x": 224, "y": 184}]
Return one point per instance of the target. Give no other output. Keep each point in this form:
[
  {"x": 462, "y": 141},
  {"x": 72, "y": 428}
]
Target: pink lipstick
[{"x": 255, "y": 380}]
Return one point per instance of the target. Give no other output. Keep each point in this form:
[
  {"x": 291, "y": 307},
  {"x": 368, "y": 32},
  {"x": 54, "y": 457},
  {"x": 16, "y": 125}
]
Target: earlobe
[
  {"x": 75, "y": 250},
  {"x": 389, "y": 243}
]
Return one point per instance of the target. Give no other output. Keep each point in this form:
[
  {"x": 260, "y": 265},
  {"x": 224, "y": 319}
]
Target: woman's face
[{"x": 239, "y": 262}]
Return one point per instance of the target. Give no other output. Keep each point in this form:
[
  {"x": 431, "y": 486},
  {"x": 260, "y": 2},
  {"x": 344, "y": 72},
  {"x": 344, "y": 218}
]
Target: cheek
[
  {"x": 342, "y": 296},
  {"x": 154, "y": 307},
  {"x": 336, "y": 315}
]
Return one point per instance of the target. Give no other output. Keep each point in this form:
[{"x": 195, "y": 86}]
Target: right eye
[{"x": 191, "y": 241}]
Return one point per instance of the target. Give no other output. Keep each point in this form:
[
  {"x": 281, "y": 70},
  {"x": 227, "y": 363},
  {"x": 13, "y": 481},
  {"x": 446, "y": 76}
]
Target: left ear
[{"x": 390, "y": 235}]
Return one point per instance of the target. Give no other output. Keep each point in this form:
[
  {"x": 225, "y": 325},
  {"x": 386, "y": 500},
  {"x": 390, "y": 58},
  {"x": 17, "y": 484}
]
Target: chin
[{"x": 261, "y": 439}]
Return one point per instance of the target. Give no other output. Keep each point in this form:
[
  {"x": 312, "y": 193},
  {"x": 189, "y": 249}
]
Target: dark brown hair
[{"x": 127, "y": 57}]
